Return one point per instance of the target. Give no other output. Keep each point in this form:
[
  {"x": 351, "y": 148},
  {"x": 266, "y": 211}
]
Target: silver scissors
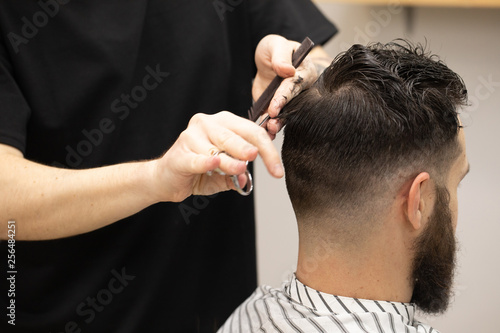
[
  {"x": 234, "y": 178},
  {"x": 257, "y": 111}
]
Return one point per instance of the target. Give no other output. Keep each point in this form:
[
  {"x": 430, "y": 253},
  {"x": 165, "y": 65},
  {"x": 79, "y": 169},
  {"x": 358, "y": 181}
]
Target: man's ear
[{"x": 416, "y": 203}]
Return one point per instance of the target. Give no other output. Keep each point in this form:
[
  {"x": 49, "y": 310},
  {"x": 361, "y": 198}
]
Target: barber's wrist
[{"x": 149, "y": 184}]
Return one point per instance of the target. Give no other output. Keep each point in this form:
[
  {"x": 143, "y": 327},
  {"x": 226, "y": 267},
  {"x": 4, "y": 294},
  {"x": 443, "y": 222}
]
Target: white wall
[{"x": 468, "y": 41}]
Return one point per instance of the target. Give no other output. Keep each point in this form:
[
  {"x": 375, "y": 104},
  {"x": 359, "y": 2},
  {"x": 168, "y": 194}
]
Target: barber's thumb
[{"x": 284, "y": 69}]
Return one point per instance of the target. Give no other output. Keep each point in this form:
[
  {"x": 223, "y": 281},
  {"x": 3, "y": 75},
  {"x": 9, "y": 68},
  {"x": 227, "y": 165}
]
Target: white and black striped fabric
[{"x": 298, "y": 308}]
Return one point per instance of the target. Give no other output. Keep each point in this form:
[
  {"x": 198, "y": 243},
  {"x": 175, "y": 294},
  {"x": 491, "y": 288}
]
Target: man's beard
[{"x": 434, "y": 263}]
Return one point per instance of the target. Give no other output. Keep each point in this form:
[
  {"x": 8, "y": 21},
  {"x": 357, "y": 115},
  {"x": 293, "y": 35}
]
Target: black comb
[{"x": 261, "y": 105}]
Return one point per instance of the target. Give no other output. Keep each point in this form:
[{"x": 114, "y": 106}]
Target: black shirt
[{"x": 90, "y": 83}]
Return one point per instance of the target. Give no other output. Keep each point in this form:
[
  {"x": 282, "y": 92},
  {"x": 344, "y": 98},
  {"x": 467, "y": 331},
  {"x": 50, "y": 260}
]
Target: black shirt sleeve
[
  {"x": 293, "y": 19},
  {"x": 14, "y": 109}
]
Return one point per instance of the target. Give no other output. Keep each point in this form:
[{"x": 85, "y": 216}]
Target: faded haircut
[{"x": 377, "y": 116}]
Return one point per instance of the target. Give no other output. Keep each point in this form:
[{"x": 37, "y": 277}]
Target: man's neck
[{"x": 376, "y": 270}]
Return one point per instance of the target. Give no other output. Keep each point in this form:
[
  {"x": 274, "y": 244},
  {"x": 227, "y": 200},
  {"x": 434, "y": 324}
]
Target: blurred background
[{"x": 466, "y": 35}]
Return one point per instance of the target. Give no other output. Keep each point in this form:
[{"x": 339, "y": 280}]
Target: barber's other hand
[
  {"x": 182, "y": 170},
  {"x": 273, "y": 56}
]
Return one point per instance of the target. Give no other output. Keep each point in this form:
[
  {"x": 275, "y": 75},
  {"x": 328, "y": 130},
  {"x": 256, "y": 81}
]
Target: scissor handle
[
  {"x": 249, "y": 186},
  {"x": 234, "y": 178}
]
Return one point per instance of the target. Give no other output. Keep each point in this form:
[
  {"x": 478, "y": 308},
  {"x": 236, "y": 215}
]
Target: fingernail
[{"x": 278, "y": 170}]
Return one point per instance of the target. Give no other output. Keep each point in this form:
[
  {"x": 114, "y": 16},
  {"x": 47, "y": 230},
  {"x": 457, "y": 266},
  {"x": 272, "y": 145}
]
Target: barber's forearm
[{"x": 49, "y": 203}]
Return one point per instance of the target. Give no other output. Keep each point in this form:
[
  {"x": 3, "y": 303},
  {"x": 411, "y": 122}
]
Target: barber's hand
[
  {"x": 273, "y": 56},
  {"x": 182, "y": 171}
]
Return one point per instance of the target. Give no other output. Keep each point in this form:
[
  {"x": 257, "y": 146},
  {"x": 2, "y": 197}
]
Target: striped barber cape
[{"x": 298, "y": 308}]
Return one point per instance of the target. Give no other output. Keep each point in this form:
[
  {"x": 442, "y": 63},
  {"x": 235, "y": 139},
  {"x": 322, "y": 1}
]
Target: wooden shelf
[{"x": 427, "y": 3}]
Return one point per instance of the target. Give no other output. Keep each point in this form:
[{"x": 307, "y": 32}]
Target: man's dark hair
[{"x": 376, "y": 117}]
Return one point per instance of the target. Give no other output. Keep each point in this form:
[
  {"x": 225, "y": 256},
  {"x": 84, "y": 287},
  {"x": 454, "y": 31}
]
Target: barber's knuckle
[
  {"x": 185, "y": 134},
  {"x": 262, "y": 136},
  {"x": 273, "y": 39},
  {"x": 224, "y": 114},
  {"x": 197, "y": 119},
  {"x": 225, "y": 137},
  {"x": 186, "y": 139}
]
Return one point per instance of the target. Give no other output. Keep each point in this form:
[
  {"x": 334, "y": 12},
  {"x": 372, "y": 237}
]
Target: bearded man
[{"x": 373, "y": 152}]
